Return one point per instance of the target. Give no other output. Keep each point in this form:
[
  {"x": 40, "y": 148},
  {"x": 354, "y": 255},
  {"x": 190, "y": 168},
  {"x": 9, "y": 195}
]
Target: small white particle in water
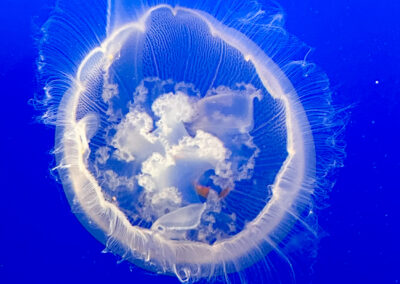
[{"x": 376, "y": 82}]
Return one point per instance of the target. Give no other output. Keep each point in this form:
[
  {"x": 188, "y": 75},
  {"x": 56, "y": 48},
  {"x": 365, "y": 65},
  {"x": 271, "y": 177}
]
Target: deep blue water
[{"x": 356, "y": 42}]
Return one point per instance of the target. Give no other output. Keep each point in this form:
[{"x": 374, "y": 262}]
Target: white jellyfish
[{"x": 192, "y": 139}]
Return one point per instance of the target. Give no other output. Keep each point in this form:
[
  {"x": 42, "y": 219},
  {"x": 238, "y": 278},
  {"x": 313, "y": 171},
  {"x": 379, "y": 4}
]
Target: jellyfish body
[{"x": 191, "y": 139}]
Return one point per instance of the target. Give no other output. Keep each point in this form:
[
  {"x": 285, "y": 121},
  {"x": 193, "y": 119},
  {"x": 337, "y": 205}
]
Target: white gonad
[{"x": 192, "y": 139}]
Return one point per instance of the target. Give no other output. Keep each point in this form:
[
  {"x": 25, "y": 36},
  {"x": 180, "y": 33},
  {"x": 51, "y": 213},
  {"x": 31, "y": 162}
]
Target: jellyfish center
[{"x": 179, "y": 156}]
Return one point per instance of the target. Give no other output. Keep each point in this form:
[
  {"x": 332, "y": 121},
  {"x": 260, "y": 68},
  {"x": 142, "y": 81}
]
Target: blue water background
[{"x": 356, "y": 42}]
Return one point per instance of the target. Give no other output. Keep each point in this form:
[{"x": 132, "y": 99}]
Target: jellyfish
[{"x": 193, "y": 138}]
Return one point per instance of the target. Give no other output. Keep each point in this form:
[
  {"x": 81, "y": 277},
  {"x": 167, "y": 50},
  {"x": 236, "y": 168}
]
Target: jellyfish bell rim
[{"x": 106, "y": 221}]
